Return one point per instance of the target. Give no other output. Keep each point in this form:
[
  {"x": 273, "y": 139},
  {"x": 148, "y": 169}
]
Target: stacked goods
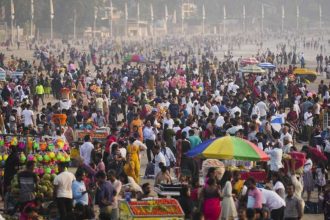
[
  {"x": 155, "y": 209},
  {"x": 44, "y": 188},
  {"x": 45, "y": 153}
]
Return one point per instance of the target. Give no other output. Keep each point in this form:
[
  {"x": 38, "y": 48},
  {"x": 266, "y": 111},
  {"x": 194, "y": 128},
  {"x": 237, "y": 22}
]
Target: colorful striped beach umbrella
[
  {"x": 249, "y": 61},
  {"x": 267, "y": 66},
  {"x": 227, "y": 148},
  {"x": 252, "y": 69}
]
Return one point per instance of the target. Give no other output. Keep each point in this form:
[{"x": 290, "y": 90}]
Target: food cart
[
  {"x": 100, "y": 134},
  {"x": 156, "y": 209}
]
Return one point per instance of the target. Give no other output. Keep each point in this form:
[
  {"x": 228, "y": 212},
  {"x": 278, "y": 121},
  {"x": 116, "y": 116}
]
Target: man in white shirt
[
  {"x": 274, "y": 202},
  {"x": 204, "y": 110},
  {"x": 168, "y": 120},
  {"x": 86, "y": 150},
  {"x": 263, "y": 109},
  {"x": 275, "y": 158},
  {"x": 149, "y": 136},
  {"x": 234, "y": 110},
  {"x": 27, "y": 116},
  {"x": 215, "y": 109},
  {"x": 189, "y": 107},
  {"x": 117, "y": 186},
  {"x": 186, "y": 129},
  {"x": 63, "y": 191},
  {"x": 220, "y": 121},
  {"x": 159, "y": 158},
  {"x": 308, "y": 123},
  {"x": 285, "y": 134},
  {"x": 65, "y": 104}
]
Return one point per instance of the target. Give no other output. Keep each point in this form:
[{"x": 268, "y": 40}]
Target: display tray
[
  {"x": 155, "y": 208},
  {"x": 170, "y": 187}
]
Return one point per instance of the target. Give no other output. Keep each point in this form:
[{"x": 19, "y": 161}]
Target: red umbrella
[{"x": 249, "y": 61}]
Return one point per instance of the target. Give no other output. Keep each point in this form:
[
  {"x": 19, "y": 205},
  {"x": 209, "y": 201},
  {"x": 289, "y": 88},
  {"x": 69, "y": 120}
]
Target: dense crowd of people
[{"x": 165, "y": 106}]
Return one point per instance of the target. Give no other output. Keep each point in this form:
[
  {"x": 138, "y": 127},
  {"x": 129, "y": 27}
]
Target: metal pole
[
  {"x": 182, "y": 17},
  {"x": 32, "y": 16},
  {"x": 110, "y": 18},
  {"x": 298, "y": 14},
  {"x": 203, "y": 24},
  {"x": 12, "y": 31},
  {"x": 94, "y": 24},
  {"x": 17, "y": 33},
  {"x": 31, "y": 31},
  {"x": 283, "y": 16},
  {"x": 152, "y": 19},
  {"x": 74, "y": 23},
  {"x": 126, "y": 19},
  {"x": 12, "y": 13},
  {"x": 166, "y": 18},
  {"x": 6, "y": 34},
  {"x": 138, "y": 18},
  {"x": 262, "y": 19},
  {"x": 51, "y": 19},
  {"x": 244, "y": 17},
  {"x": 224, "y": 20},
  {"x": 320, "y": 13},
  {"x": 51, "y": 28}
]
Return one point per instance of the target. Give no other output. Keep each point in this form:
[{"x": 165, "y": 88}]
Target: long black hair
[{"x": 227, "y": 176}]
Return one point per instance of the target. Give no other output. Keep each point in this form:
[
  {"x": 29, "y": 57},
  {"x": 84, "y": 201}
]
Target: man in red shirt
[{"x": 111, "y": 139}]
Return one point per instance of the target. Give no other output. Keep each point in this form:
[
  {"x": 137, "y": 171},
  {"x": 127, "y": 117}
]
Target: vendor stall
[
  {"x": 165, "y": 209},
  {"x": 97, "y": 134}
]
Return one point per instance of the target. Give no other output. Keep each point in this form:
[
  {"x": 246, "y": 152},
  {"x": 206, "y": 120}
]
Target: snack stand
[
  {"x": 47, "y": 153},
  {"x": 156, "y": 209},
  {"x": 100, "y": 134}
]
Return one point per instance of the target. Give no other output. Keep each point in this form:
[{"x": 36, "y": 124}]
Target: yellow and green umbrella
[
  {"x": 252, "y": 69},
  {"x": 227, "y": 148},
  {"x": 306, "y": 75}
]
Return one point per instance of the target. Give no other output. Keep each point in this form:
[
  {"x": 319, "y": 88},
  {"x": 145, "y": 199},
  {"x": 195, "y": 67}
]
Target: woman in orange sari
[{"x": 136, "y": 126}]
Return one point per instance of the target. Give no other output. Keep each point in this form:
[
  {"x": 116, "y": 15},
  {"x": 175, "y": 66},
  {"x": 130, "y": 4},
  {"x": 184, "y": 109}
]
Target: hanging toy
[
  {"x": 59, "y": 157},
  {"x": 51, "y": 147},
  {"x": 21, "y": 145},
  {"x": 48, "y": 170},
  {"x": 66, "y": 147},
  {"x": 43, "y": 146},
  {"x": 52, "y": 155},
  {"x": 67, "y": 158},
  {"x": 46, "y": 158},
  {"x": 2, "y": 142},
  {"x": 60, "y": 143},
  {"x": 29, "y": 144},
  {"x": 35, "y": 145},
  {"x": 5, "y": 156},
  {"x": 22, "y": 158},
  {"x": 39, "y": 158},
  {"x": 14, "y": 141},
  {"x": 41, "y": 171},
  {"x": 31, "y": 157}
]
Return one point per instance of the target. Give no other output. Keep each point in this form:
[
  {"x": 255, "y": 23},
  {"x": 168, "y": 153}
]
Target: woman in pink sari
[{"x": 210, "y": 198}]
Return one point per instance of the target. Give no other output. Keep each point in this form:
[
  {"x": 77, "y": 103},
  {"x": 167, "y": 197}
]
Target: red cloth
[
  {"x": 110, "y": 140},
  {"x": 259, "y": 176},
  {"x": 212, "y": 208}
]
